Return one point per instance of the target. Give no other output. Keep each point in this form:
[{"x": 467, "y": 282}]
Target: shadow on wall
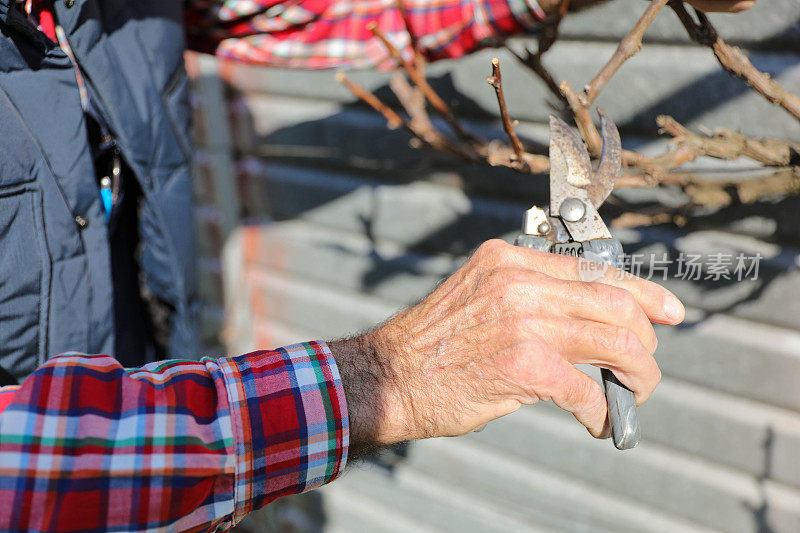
[
  {"x": 355, "y": 148},
  {"x": 293, "y": 171},
  {"x": 302, "y": 513}
]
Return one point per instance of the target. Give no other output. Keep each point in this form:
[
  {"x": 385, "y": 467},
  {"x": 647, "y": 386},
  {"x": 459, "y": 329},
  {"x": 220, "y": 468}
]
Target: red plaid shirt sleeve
[
  {"x": 333, "y": 33},
  {"x": 177, "y": 445}
]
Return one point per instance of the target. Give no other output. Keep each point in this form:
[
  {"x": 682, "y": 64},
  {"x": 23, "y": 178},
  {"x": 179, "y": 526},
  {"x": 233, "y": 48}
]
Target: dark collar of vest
[
  {"x": 13, "y": 16},
  {"x": 5, "y": 7}
]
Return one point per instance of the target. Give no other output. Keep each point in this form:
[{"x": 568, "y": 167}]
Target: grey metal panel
[
  {"x": 437, "y": 218},
  {"x": 530, "y": 491},
  {"x": 325, "y": 134},
  {"x": 489, "y": 481},
  {"x": 724, "y": 428},
  {"x": 307, "y": 305},
  {"x": 774, "y": 24},
  {"x": 211, "y": 320},
  {"x": 717, "y": 356},
  {"x": 439, "y": 505},
  {"x": 686, "y": 82},
  {"x": 342, "y": 510},
  {"x": 216, "y": 138},
  {"x": 701, "y": 491},
  {"x": 353, "y": 511}
]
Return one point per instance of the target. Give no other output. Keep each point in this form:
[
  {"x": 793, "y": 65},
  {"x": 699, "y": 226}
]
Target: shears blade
[
  {"x": 575, "y": 191},
  {"x": 610, "y": 166}
]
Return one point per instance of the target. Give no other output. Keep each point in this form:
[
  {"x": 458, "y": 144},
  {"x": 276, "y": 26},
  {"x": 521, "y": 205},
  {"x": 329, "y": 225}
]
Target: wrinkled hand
[{"x": 504, "y": 330}]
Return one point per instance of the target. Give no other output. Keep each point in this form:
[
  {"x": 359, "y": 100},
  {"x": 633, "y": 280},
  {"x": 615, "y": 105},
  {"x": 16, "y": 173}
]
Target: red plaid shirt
[
  {"x": 86, "y": 445},
  {"x": 333, "y": 33}
]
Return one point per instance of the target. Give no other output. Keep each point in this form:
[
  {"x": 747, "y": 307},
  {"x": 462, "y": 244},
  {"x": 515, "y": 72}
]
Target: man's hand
[
  {"x": 504, "y": 330},
  {"x": 721, "y": 6}
]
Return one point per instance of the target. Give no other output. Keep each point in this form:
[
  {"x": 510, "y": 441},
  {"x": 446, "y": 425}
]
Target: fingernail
[{"x": 674, "y": 309}]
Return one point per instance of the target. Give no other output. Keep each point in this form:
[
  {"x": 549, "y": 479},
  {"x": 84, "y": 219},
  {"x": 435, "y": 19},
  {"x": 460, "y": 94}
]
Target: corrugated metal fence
[{"x": 305, "y": 197}]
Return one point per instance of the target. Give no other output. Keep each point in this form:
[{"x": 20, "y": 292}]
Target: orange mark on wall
[{"x": 264, "y": 253}]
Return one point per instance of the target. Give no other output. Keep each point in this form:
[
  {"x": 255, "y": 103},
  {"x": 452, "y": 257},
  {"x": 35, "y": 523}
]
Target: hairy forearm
[{"x": 371, "y": 382}]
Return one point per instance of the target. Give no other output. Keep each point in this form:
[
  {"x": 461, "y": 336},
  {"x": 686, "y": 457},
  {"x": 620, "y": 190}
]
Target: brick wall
[{"x": 305, "y": 196}]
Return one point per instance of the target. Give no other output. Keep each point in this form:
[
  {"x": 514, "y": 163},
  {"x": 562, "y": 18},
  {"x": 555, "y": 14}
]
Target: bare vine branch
[
  {"x": 733, "y": 59},
  {"x": 416, "y": 74},
  {"x": 640, "y": 170},
  {"x": 374, "y": 102},
  {"x": 628, "y": 47},
  {"x": 729, "y": 144},
  {"x": 580, "y": 104},
  {"x": 496, "y": 81},
  {"x": 547, "y": 38}
]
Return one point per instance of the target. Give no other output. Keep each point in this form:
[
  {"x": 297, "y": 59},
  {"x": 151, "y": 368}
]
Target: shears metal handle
[{"x": 572, "y": 226}]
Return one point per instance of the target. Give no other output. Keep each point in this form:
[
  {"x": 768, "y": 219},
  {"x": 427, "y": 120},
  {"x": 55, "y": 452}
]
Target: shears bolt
[
  {"x": 572, "y": 210},
  {"x": 543, "y": 228}
]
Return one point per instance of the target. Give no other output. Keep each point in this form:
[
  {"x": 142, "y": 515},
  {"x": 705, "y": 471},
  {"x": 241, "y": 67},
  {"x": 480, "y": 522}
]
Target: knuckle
[
  {"x": 620, "y": 274},
  {"x": 608, "y": 337},
  {"x": 565, "y": 264},
  {"x": 493, "y": 250},
  {"x": 538, "y": 279},
  {"x": 649, "y": 384},
  {"x": 548, "y": 376},
  {"x": 492, "y": 280},
  {"x": 626, "y": 341},
  {"x": 497, "y": 282},
  {"x": 526, "y": 367},
  {"x": 536, "y": 257},
  {"x": 508, "y": 285},
  {"x": 623, "y": 302},
  {"x": 586, "y": 394},
  {"x": 575, "y": 330},
  {"x": 653, "y": 293},
  {"x": 652, "y": 341},
  {"x": 583, "y": 293},
  {"x": 594, "y": 397},
  {"x": 493, "y": 244}
]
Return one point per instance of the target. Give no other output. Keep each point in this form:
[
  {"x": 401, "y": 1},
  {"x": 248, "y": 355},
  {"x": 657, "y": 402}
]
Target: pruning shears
[{"x": 571, "y": 226}]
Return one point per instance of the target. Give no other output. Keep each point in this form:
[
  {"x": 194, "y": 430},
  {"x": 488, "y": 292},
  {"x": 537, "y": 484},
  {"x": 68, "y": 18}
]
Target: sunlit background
[{"x": 316, "y": 221}]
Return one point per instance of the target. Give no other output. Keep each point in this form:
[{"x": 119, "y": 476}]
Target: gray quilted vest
[{"x": 57, "y": 291}]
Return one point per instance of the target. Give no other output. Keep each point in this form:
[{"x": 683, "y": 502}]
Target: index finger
[{"x": 659, "y": 304}]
